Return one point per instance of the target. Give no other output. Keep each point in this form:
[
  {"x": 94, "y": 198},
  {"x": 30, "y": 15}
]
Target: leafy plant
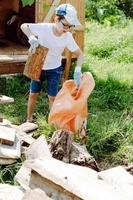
[
  {"x": 100, "y": 9},
  {"x": 27, "y": 2}
]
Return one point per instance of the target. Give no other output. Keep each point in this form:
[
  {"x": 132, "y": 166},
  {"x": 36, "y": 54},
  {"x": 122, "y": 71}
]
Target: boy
[{"x": 56, "y": 37}]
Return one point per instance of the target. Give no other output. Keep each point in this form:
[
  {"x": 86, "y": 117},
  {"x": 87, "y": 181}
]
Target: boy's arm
[
  {"x": 32, "y": 38},
  {"x": 77, "y": 71},
  {"x": 25, "y": 28},
  {"x": 80, "y": 57}
]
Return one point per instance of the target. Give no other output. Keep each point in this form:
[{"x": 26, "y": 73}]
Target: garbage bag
[{"x": 70, "y": 110}]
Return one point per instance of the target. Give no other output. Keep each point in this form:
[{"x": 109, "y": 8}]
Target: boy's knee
[{"x": 34, "y": 95}]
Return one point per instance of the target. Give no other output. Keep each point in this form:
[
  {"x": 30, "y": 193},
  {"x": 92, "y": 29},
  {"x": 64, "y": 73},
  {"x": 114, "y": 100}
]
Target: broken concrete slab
[
  {"x": 7, "y": 135},
  {"x": 6, "y": 122},
  {"x": 28, "y": 127},
  {"x": 23, "y": 175},
  {"x": 13, "y": 152},
  {"x": 120, "y": 179},
  {"x": 117, "y": 175},
  {"x": 67, "y": 181},
  {"x": 9, "y": 192},
  {"x": 38, "y": 149},
  {"x": 25, "y": 138},
  {"x": 7, "y": 161},
  {"x": 36, "y": 194},
  {"x": 5, "y": 99}
]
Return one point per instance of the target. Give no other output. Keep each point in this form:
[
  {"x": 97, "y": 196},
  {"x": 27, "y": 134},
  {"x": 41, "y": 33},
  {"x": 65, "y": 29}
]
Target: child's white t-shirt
[{"x": 55, "y": 44}]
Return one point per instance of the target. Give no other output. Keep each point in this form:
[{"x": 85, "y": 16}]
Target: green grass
[{"x": 108, "y": 55}]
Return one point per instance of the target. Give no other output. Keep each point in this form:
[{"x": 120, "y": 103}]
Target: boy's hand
[
  {"x": 77, "y": 75},
  {"x": 33, "y": 43}
]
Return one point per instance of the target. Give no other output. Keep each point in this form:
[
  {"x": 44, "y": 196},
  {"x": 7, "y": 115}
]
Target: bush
[
  {"x": 100, "y": 9},
  {"x": 111, "y": 10},
  {"x": 126, "y": 6}
]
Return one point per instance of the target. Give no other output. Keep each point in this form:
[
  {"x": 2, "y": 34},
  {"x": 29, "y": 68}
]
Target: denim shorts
[{"x": 52, "y": 76}]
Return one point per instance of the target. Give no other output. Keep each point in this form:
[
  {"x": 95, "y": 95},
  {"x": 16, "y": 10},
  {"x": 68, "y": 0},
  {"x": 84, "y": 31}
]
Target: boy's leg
[
  {"x": 51, "y": 101},
  {"x": 31, "y": 105},
  {"x": 35, "y": 88},
  {"x": 54, "y": 77}
]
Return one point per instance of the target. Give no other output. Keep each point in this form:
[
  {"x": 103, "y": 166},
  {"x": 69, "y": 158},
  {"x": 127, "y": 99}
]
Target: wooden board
[{"x": 11, "y": 67}]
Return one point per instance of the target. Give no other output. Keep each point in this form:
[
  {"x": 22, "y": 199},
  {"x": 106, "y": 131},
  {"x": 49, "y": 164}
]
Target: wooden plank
[
  {"x": 7, "y": 135},
  {"x": 11, "y": 68},
  {"x": 13, "y": 58},
  {"x": 51, "y": 11}
]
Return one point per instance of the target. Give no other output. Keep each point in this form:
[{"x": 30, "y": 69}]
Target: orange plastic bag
[{"x": 69, "y": 110}]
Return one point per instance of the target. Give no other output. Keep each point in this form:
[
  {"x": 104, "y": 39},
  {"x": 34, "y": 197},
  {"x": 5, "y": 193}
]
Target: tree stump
[
  {"x": 60, "y": 145},
  {"x": 63, "y": 148}
]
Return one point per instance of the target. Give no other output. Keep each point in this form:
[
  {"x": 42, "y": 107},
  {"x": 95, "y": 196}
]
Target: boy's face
[{"x": 64, "y": 26}]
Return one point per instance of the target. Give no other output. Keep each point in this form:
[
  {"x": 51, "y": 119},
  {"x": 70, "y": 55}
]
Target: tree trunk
[{"x": 63, "y": 148}]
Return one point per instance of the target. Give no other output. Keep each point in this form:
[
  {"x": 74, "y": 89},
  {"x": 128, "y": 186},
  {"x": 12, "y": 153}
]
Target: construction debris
[
  {"x": 5, "y": 99},
  {"x": 11, "y": 140},
  {"x": 7, "y": 161},
  {"x": 59, "y": 169},
  {"x": 9, "y": 192},
  {"x": 38, "y": 149},
  {"x": 28, "y": 127},
  {"x": 12, "y": 152},
  {"x": 35, "y": 194},
  {"x": 7, "y": 135},
  {"x": 64, "y": 181}
]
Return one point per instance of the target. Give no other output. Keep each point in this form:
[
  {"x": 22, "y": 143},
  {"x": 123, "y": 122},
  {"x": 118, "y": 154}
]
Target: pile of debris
[{"x": 60, "y": 169}]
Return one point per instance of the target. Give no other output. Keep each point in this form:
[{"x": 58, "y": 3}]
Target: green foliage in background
[
  {"x": 27, "y": 2},
  {"x": 113, "y": 10},
  {"x": 126, "y": 6},
  {"x": 108, "y": 55}
]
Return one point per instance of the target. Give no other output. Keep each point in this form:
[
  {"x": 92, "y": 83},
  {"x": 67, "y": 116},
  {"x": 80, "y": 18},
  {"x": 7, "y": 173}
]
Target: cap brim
[
  {"x": 73, "y": 21},
  {"x": 77, "y": 22}
]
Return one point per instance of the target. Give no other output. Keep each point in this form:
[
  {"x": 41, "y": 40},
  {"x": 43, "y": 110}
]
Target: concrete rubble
[{"x": 44, "y": 177}]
